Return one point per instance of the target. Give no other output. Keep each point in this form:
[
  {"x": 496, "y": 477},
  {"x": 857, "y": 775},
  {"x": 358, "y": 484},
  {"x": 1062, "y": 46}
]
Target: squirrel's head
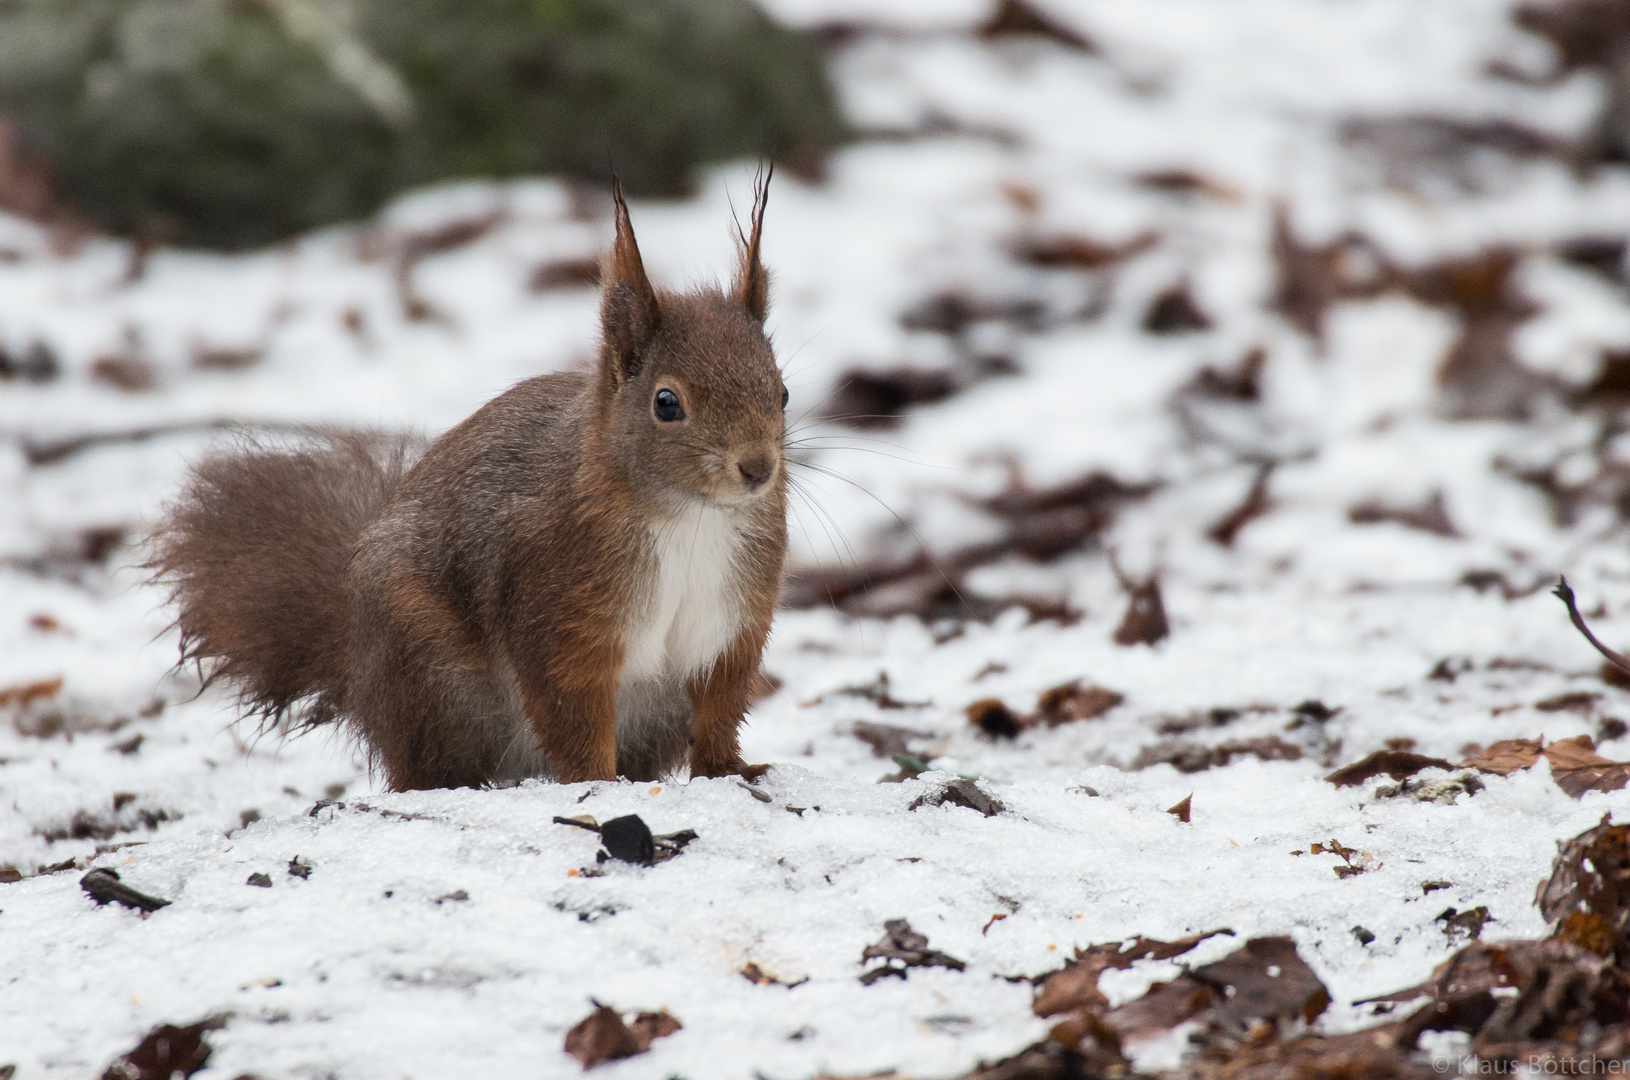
[{"x": 691, "y": 400}]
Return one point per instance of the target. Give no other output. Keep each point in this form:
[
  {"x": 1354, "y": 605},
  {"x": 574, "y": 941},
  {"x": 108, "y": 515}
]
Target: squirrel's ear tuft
[
  {"x": 628, "y": 308},
  {"x": 752, "y": 288}
]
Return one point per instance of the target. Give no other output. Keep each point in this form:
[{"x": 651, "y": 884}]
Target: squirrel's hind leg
[{"x": 422, "y": 698}]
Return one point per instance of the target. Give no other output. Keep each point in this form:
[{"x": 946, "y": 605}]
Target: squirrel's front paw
[{"x": 747, "y": 772}]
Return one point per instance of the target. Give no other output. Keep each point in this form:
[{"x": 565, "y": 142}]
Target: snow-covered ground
[{"x": 370, "y": 968}]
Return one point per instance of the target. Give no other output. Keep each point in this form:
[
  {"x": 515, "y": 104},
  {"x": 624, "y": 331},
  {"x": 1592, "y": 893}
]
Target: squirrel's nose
[{"x": 756, "y": 469}]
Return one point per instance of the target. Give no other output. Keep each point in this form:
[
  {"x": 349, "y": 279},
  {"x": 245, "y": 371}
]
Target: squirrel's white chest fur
[{"x": 689, "y": 608}]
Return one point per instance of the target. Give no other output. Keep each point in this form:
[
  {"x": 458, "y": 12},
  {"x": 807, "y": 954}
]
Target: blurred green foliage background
[{"x": 232, "y": 123}]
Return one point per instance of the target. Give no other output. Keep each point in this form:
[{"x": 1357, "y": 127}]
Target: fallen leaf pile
[{"x": 1558, "y": 1006}]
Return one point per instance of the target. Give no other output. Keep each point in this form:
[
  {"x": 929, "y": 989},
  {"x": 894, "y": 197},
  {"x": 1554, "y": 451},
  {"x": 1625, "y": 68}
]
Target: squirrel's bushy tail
[{"x": 255, "y": 554}]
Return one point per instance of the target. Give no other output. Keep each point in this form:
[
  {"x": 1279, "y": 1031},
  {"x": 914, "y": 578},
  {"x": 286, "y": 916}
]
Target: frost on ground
[{"x": 1298, "y": 313}]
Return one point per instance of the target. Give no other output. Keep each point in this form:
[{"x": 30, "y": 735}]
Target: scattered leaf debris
[
  {"x": 1183, "y": 809},
  {"x": 961, "y": 792},
  {"x": 1355, "y": 862},
  {"x": 1039, "y": 524},
  {"x": 603, "y": 1036},
  {"x": 902, "y": 948},
  {"x": 877, "y": 692},
  {"x": 300, "y": 867},
  {"x": 104, "y": 887},
  {"x": 874, "y": 400},
  {"x": 259, "y": 880}
]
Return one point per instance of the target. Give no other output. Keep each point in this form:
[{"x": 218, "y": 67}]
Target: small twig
[{"x": 1564, "y": 592}]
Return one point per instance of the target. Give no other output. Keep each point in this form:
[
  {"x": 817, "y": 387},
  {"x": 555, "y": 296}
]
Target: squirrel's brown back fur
[{"x": 577, "y": 581}]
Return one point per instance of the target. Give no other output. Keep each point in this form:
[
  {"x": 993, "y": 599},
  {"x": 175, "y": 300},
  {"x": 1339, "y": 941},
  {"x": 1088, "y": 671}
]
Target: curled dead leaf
[
  {"x": 1397, "y": 764},
  {"x": 603, "y": 1036},
  {"x": 1577, "y": 768}
]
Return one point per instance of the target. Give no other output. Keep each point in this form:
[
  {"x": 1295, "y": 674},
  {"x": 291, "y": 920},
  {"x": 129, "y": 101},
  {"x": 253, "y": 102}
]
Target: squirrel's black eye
[
  {"x": 667, "y": 406},
  {"x": 784, "y": 398}
]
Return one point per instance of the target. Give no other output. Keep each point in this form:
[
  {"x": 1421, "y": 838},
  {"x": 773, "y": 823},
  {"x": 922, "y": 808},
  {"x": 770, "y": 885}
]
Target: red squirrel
[{"x": 576, "y": 582}]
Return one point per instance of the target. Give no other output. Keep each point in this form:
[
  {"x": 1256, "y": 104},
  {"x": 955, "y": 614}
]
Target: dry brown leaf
[
  {"x": 961, "y": 792},
  {"x": 1145, "y": 620},
  {"x": 1183, "y": 809},
  {"x": 1017, "y": 17},
  {"x": 1076, "y": 987},
  {"x": 1082, "y": 252},
  {"x": 1587, "y": 895},
  {"x": 1072, "y": 701},
  {"x": 1577, "y": 768},
  {"x": 1506, "y": 756},
  {"x": 1397, "y": 764},
  {"x": 166, "y": 1052},
  {"x": 1166, "y": 1005},
  {"x": 1264, "y": 980},
  {"x": 602, "y": 1036}
]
